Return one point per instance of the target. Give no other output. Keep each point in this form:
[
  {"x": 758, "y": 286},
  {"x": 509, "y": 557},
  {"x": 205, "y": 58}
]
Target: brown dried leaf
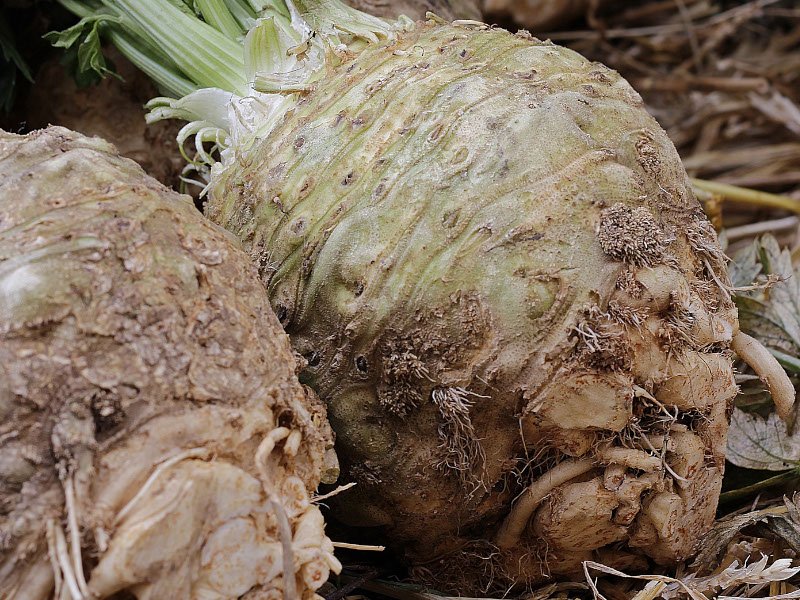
[
  {"x": 702, "y": 588},
  {"x": 762, "y": 444},
  {"x": 782, "y": 520}
]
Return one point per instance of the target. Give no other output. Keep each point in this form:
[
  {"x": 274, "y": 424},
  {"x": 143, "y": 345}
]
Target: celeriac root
[
  {"x": 753, "y": 352},
  {"x": 133, "y": 473},
  {"x": 521, "y": 512},
  {"x": 464, "y": 453},
  {"x": 285, "y": 531}
]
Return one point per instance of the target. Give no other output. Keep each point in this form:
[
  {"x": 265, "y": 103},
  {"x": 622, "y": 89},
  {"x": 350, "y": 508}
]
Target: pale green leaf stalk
[
  {"x": 220, "y": 17},
  {"x": 492, "y": 259}
]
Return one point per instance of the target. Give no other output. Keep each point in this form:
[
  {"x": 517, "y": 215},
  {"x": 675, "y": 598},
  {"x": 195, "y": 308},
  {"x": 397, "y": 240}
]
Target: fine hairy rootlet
[
  {"x": 154, "y": 437},
  {"x": 491, "y": 258}
]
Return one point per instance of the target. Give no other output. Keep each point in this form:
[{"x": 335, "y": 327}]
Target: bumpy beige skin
[
  {"x": 492, "y": 259},
  {"x": 153, "y": 432}
]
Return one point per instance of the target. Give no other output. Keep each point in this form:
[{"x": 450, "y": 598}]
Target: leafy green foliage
[
  {"x": 84, "y": 48},
  {"x": 164, "y": 38},
  {"x": 11, "y": 65}
]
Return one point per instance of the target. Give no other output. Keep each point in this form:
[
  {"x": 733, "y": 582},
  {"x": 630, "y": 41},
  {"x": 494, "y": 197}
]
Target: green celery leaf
[{"x": 82, "y": 41}]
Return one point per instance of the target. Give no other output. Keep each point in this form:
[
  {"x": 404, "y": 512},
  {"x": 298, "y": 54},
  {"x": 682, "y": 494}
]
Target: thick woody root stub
[
  {"x": 471, "y": 305},
  {"x": 769, "y": 369},
  {"x": 155, "y": 439},
  {"x": 516, "y": 522}
]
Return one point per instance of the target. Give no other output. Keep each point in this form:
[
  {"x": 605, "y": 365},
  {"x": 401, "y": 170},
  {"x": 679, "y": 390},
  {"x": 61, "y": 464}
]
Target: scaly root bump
[{"x": 767, "y": 367}]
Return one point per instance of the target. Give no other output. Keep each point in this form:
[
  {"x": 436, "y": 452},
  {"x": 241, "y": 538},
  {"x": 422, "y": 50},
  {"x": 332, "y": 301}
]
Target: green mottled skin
[
  {"x": 131, "y": 329},
  {"x": 446, "y": 191}
]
